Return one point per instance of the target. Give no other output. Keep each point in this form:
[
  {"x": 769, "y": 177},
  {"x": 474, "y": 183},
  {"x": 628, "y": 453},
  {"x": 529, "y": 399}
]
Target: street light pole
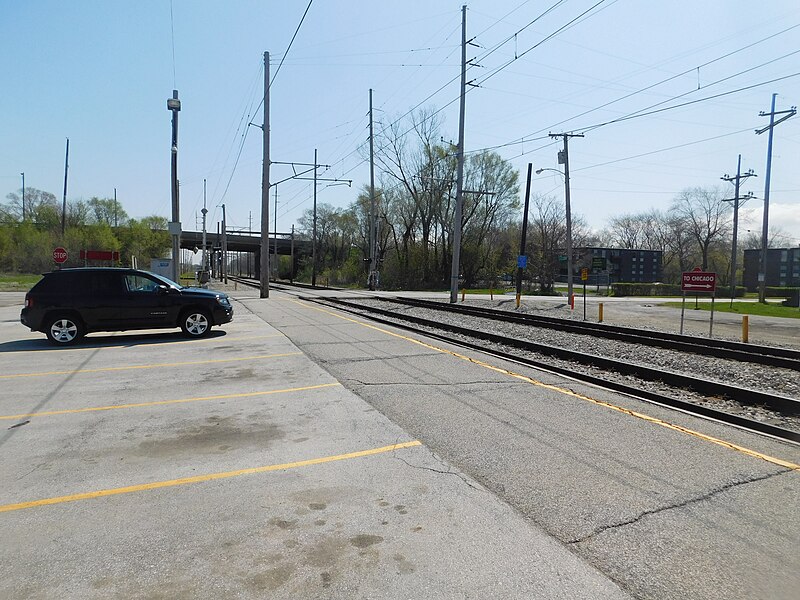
[
  {"x": 174, "y": 105},
  {"x": 23, "y": 196},
  {"x": 204, "y": 258},
  {"x": 563, "y": 159}
]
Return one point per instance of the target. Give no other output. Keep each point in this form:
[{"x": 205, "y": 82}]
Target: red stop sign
[{"x": 60, "y": 255}]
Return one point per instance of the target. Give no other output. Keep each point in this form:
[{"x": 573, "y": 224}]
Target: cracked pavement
[{"x": 664, "y": 514}]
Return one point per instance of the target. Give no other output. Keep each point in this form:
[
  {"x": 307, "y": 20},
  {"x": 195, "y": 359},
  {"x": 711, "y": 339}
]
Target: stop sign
[{"x": 60, "y": 255}]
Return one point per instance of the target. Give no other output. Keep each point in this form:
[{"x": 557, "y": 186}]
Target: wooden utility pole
[
  {"x": 563, "y": 159},
  {"x": 454, "y": 271},
  {"x": 736, "y": 197}
]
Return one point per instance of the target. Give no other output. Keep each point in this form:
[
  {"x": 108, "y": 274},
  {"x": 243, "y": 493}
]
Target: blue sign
[{"x": 522, "y": 262}]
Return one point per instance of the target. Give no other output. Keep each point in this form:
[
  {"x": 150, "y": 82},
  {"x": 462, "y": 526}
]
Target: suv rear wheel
[
  {"x": 196, "y": 323},
  {"x": 63, "y": 330}
]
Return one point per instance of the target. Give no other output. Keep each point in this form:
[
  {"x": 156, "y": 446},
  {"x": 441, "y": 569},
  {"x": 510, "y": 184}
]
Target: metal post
[
  {"x": 711, "y": 321},
  {"x": 204, "y": 256},
  {"x": 314, "y": 228},
  {"x": 683, "y": 310},
  {"x": 23, "y": 196},
  {"x": 460, "y": 168},
  {"x": 64, "y": 200},
  {"x": 174, "y": 105},
  {"x": 373, "y": 242},
  {"x": 224, "y": 270},
  {"x": 524, "y": 233},
  {"x": 762, "y": 284},
  {"x": 762, "y": 288},
  {"x": 275, "y": 231},
  {"x": 291, "y": 265},
  {"x": 264, "y": 258}
]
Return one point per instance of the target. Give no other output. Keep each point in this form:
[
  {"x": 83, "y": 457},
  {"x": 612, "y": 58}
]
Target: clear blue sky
[{"x": 100, "y": 73}]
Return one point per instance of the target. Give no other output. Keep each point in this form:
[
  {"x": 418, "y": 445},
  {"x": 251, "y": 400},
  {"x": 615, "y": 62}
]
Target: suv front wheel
[
  {"x": 196, "y": 323},
  {"x": 63, "y": 330}
]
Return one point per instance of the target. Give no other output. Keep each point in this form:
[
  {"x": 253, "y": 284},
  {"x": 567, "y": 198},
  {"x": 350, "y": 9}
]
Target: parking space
[{"x": 146, "y": 465}]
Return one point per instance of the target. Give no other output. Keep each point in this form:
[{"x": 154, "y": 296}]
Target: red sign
[
  {"x": 99, "y": 255},
  {"x": 698, "y": 281},
  {"x": 60, "y": 255}
]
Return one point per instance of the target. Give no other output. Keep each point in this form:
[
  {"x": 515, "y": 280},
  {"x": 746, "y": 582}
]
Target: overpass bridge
[{"x": 247, "y": 242}]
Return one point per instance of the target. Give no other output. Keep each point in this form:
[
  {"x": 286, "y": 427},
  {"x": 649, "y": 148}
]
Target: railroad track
[
  {"x": 743, "y": 396},
  {"x": 766, "y": 355}
]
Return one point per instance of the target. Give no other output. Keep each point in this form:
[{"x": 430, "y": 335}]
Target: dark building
[
  {"x": 783, "y": 268},
  {"x": 618, "y": 265}
]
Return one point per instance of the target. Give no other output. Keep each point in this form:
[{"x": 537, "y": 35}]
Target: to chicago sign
[{"x": 698, "y": 281}]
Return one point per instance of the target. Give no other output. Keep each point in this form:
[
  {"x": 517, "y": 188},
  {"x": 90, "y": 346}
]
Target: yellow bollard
[
  {"x": 517, "y": 300},
  {"x": 600, "y": 311},
  {"x": 745, "y": 328},
  {"x": 463, "y": 294}
]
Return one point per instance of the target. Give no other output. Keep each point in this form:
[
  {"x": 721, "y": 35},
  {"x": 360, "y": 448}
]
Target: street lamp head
[{"x": 539, "y": 171}]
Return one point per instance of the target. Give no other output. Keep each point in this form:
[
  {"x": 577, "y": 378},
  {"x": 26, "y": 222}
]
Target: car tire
[
  {"x": 64, "y": 329},
  {"x": 196, "y": 323}
]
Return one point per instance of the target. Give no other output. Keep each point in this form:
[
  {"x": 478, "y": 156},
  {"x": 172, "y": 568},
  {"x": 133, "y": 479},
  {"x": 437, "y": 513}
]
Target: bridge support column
[{"x": 257, "y": 264}]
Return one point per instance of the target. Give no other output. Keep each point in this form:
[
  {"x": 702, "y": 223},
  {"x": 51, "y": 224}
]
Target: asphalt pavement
[{"x": 145, "y": 465}]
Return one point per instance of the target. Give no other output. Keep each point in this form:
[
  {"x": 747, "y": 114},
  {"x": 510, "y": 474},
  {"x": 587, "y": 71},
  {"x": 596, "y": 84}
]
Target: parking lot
[{"x": 147, "y": 465}]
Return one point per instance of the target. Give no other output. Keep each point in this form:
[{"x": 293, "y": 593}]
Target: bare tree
[{"x": 706, "y": 217}]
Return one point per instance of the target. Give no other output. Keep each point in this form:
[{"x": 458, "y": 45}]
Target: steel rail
[
  {"x": 745, "y": 396},
  {"x": 647, "y": 395},
  {"x": 765, "y": 355}
]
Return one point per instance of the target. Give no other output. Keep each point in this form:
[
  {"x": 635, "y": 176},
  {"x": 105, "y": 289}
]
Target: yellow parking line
[
  {"x": 155, "y": 366},
  {"x": 73, "y": 411},
  {"x": 730, "y": 445},
  {"x": 201, "y": 478},
  {"x": 144, "y": 344}
]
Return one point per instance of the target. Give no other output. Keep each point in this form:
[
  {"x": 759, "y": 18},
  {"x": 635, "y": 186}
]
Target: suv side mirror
[{"x": 162, "y": 290}]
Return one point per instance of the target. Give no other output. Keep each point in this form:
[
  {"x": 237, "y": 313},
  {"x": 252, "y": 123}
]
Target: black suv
[{"x": 69, "y": 303}]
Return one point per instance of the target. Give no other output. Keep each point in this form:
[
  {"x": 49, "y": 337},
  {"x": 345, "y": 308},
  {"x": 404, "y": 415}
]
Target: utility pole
[
  {"x": 520, "y": 258},
  {"x": 23, "y": 196},
  {"x": 314, "y": 229},
  {"x": 291, "y": 255},
  {"x": 736, "y": 197},
  {"x": 64, "y": 201},
  {"x": 563, "y": 159},
  {"x": 224, "y": 247},
  {"x": 275, "y": 231},
  {"x": 762, "y": 276},
  {"x": 460, "y": 168},
  {"x": 115, "y": 202},
  {"x": 204, "y": 258},
  {"x": 174, "y": 105},
  {"x": 264, "y": 262},
  {"x": 373, "y": 231}
]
